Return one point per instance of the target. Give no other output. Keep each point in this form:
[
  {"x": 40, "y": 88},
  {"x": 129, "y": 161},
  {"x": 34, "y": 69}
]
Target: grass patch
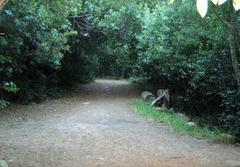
[{"x": 179, "y": 124}]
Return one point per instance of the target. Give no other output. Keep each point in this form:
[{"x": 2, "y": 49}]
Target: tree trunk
[
  {"x": 163, "y": 99},
  {"x": 233, "y": 47}
]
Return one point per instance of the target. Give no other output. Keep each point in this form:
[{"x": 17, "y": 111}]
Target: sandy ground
[{"x": 96, "y": 127}]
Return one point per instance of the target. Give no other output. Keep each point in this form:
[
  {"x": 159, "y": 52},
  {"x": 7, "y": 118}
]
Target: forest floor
[{"x": 95, "y": 126}]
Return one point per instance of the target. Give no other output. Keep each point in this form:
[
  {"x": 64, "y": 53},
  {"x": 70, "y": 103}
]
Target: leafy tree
[
  {"x": 33, "y": 45},
  {"x": 232, "y": 25}
]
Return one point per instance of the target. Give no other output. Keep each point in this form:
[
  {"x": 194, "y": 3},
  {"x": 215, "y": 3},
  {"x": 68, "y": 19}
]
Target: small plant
[
  {"x": 3, "y": 104},
  {"x": 10, "y": 87}
]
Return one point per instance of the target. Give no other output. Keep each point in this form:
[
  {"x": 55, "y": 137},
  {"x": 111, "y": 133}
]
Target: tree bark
[
  {"x": 163, "y": 99},
  {"x": 233, "y": 47}
]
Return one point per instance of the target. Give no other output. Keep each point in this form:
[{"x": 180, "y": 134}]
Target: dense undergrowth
[{"x": 46, "y": 46}]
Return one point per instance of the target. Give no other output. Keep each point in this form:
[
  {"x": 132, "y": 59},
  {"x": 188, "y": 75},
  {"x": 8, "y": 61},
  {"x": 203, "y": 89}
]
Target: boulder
[
  {"x": 191, "y": 124},
  {"x": 148, "y": 96},
  {"x": 160, "y": 108}
]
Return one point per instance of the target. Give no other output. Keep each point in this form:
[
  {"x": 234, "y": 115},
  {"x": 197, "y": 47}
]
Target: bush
[{"x": 35, "y": 40}]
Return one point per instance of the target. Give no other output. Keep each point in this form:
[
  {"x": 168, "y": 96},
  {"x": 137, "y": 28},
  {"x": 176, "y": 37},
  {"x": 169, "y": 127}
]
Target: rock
[
  {"x": 3, "y": 163},
  {"x": 148, "y": 96},
  {"x": 191, "y": 124},
  {"x": 160, "y": 108},
  {"x": 183, "y": 116},
  {"x": 171, "y": 110},
  {"x": 101, "y": 158},
  {"x": 180, "y": 114},
  {"x": 86, "y": 103}
]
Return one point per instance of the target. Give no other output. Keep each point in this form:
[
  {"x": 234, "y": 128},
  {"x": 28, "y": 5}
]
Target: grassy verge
[{"x": 179, "y": 124}]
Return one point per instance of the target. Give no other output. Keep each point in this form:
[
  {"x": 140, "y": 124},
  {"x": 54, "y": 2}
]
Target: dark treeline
[{"x": 46, "y": 46}]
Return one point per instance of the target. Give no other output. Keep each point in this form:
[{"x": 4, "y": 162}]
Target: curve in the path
[{"x": 96, "y": 126}]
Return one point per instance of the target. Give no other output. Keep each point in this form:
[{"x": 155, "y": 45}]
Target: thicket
[
  {"x": 41, "y": 50},
  {"x": 46, "y": 44},
  {"x": 171, "y": 46}
]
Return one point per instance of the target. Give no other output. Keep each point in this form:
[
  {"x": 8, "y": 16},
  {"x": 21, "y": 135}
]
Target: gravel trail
[{"x": 95, "y": 126}]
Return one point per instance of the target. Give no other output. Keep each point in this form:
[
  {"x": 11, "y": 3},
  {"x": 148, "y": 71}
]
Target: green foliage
[
  {"x": 166, "y": 42},
  {"x": 80, "y": 62},
  {"x": 10, "y": 87},
  {"x": 179, "y": 123},
  {"x": 3, "y": 104},
  {"x": 33, "y": 45},
  {"x": 33, "y": 41},
  {"x": 119, "y": 53}
]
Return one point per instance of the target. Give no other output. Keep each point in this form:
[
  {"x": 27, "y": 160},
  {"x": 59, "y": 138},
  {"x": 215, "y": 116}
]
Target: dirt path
[{"x": 96, "y": 127}]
